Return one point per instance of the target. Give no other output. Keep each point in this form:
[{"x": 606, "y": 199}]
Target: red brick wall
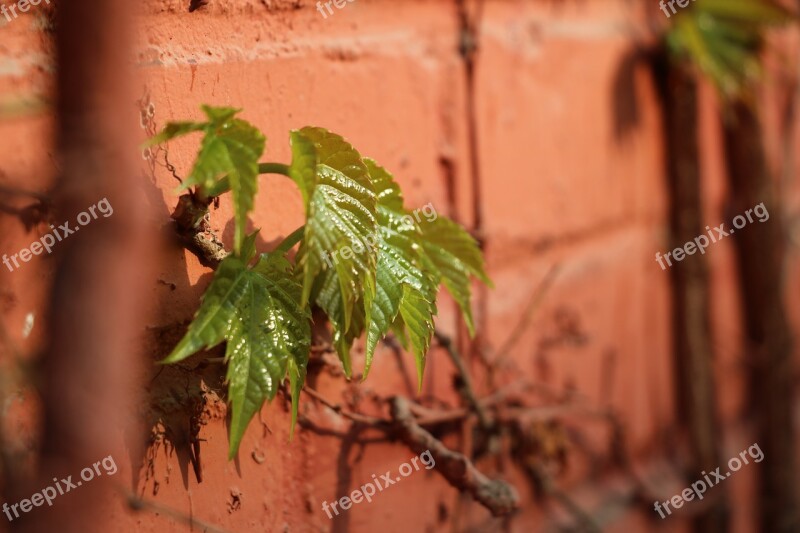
[{"x": 557, "y": 187}]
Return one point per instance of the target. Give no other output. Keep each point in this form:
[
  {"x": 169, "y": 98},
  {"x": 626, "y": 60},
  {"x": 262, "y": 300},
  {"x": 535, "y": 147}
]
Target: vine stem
[
  {"x": 273, "y": 168},
  {"x": 291, "y": 240},
  {"x": 192, "y": 210}
]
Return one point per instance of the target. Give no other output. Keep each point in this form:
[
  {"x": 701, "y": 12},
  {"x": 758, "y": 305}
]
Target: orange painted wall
[{"x": 558, "y": 187}]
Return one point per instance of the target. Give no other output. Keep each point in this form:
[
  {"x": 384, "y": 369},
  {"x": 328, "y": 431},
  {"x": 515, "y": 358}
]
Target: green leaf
[
  {"x": 256, "y": 311},
  {"x": 387, "y": 191},
  {"x": 219, "y": 115},
  {"x": 382, "y": 300},
  {"x": 249, "y": 247},
  {"x": 399, "y": 330},
  {"x": 276, "y": 266},
  {"x": 297, "y": 377},
  {"x": 328, "y": 297},
  {"x": 403, "y": 299},
  {"x": 290, "y": 241},
  {"x": 303, "y": 169},
  {"x": 417, "y": 310},
  {"x": 735, "y": 59},
  {"x": 749, "y": 11},
  {"x": 724, "y": 39},
  {"x": 173, "y": 130},
  {"x": 228, "y": 160},
  {"x": 340, "y": 223},
  {"x": 452, "y": 255},
  {"x": 243, "y": 145},
  {"x": 382, "y": 296},
  {"x": 399, "y": 283}
]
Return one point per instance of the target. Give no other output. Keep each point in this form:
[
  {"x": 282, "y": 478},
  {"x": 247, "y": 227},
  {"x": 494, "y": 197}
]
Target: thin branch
[
  {"x": 397, "y": 351},
  {"x": 522, "y": 326},
  {"x": 16, "y": 191},
  {"x": 322, "y": 349},
  {"x": 554, "y": 491},
  {"x": 355, "y": 417},
  {"x": 140, "y": 504},
  {"x": 431, "y": 417},
  {"x": 468, "y": 392},
  {"x": 308, "y": 424},
  {"x": 30, "y": 215},
  {"x": 550, "y": 412},
  {"x": 497, "y": 496}
]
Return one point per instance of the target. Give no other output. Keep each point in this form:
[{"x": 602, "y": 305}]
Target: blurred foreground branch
[{"x": 87, "y": 363}]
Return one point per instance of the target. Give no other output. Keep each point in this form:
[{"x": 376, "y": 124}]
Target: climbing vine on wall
[{"x": 386, "y": 269}]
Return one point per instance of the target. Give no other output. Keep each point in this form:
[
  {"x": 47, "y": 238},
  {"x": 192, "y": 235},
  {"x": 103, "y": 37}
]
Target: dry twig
[
  {"x": 350, "y": 415},
  {"x": 467, "y": 390},
  {"x": 496, "y": 495}
]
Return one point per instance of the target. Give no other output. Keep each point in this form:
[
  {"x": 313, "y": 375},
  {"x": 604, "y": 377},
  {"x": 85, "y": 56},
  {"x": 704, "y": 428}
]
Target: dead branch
[
  {"x": 467, "y": 390},
  {"x": 40, "y": 210},
  {"x": 88, "y": 364},
  {"x": 522, "y": 326},
  {"x": 554, "y": 491},
  {"x": 350, "y": 415},
  {"x": 139, "y": 504},
  {"x": 550, "y": 412},
  {"x": 496, "y": 495}
]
